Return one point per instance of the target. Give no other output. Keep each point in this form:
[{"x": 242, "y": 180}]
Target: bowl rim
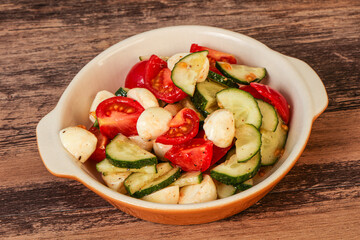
[{"x": 81, "y": 176}]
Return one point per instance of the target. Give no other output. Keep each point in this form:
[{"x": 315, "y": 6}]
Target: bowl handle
[
  {"x": 54, "y": 159},
  {"x": 313, "y": 82}
]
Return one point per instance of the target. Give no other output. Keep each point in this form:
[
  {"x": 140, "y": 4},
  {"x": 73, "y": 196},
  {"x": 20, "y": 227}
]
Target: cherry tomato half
[
  {"x": 136, "y": 76},
  {"x": 158, "y": 81},
  {"x": 194, "y": 155},
  {"x": 270, "y": 95},
  {"x": 99, "y": 153},
  {"x": 214, "y": 56},
  {"x": 218, "y": 152},
  {"x": 118, "y": 115},
  {"x": 183, "y": 127}
]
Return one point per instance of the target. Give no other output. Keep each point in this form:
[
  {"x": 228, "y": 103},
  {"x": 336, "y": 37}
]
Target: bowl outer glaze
[{"x": 297, "y": 81}]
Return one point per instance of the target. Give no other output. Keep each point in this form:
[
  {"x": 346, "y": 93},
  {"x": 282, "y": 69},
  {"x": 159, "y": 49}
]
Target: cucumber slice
[
  {"x": 106, "y": 168},
  {"x": 241, "y": 104},
  {"x": 158, "y": 183},
  {"x": 221, "y": 79},
  {"x": 245, "y": 185},
  {"x": 241, "y": 73},
  {"x": 269, "y": 116},
  {"x": 189, "y": 178},
  {"x": 231, "y": 172},
  {"x": 122, "y": 92},
  {"x": 187, "y": 71},
  {"x": 224, "y": 190},
  {"x": 248, "y": 142},
  {"x": 273, "y": 143},
  {"x": 204, "y": 97},
  {"x": 136, "y": 181},
  {"x": 124, "y": 153}
]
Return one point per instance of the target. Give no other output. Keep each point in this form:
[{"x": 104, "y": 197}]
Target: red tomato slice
[
  {"x": 218, "y": 152},
  {"x": 274, "y": 98},
  {"x": 99, "y": 153},
  {"x": 214, "y": 56},
  {"x": 136, "y": 76},
  {"x": 253, "y": 92},
  {"x": 118, "y": 115},
  {"x": 194, "y": 155},
  {"x": 158, "y": 81},
  {"x": 183, "y": 127}
]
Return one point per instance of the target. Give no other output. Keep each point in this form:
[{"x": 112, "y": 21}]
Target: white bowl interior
[{"x": 108, "y": 71}]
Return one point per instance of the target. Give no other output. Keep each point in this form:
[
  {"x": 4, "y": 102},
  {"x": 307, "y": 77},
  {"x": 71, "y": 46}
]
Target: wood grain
[{"x": 43, "y": 44}]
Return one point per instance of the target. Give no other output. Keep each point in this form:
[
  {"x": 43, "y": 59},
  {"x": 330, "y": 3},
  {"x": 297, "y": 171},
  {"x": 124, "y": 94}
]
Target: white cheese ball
[
  {"x": 115, "y": 181},
  {"x": 160, "y": 149},
  {"x": 79, "y": 142},
  {"x": 168, "y": 195},
  {"x": 219, "y": 128},
  {"x": 144, "y": 97},
  {"x": 100, "y": 96},
  {"x": 153, "y": 122},
  {"x": 174, "y": 59},
  {"x": 204, "y": 71},
  {"x": 198, "y": 193},
  {"x": 146, "y": 145}
]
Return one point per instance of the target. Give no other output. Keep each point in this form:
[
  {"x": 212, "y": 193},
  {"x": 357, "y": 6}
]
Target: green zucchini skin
[
  {"x": 159, "y": 183},
  {"x": 225, "y": 178},
  {"x": 123, "y": 153},
  {"x": 106, "y": 168},
  {"x": 204, "y": 98},
  {"x": 242, "y": 104},
  {"x": 121, "y": 92},
  {"x": 237, "y": 76},
  {"x": 212, "y": 76}
]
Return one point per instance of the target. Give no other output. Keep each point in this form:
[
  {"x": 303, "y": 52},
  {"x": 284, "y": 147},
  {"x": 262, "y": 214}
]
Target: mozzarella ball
[
  {"x": 160, "y": 149},
  {"x": 115, "y": 181},
  {"x": 79, "y": 142},
  {"x": 147, "y": 145},
  {"x": 219, "y": 128},
  {"x": 153, "y": 122},
  {"x": 204, "y": 71},
  {"x": 174, "y": 108},
  {"x": 100, "y": 96},
  {"x": 198, "y": 193},
  {"x": 168, "y": 195},
  {"x": 144, "y": 97},
  {"x": 174, "y": 59}
]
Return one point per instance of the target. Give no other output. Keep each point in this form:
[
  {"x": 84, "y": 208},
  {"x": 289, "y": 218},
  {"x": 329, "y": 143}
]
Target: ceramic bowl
[{"x": 292, "y": 77}]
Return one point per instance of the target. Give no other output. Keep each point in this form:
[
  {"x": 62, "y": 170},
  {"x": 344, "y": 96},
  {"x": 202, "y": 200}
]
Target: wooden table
[{"x": 43, "y": 44}]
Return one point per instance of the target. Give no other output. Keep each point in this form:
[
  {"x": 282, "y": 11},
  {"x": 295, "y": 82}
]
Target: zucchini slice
[
  {"x": 224, "y": 190},
  {"x": 213, "y": 76},
  {"x": 231, "y": 172},
  {"x": 269, "y": 116},
  {"x": 188, "y": 70},
  {"x": 204, "y": 97},
  {"x": 240, "y": 73},
  {"x": 273, "y": 143},
  {"x": 136, "y": 181},
  {"x": 158, "y": 183},
  {"x": 242, "y": 105},
  {"x": 248, "y": 142},
  {"x": 124, "y": 153},
  {"x": 245, "y": 185},
  {"x": 106, "y": 168},
  {"x": 189, "y": 178}
]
